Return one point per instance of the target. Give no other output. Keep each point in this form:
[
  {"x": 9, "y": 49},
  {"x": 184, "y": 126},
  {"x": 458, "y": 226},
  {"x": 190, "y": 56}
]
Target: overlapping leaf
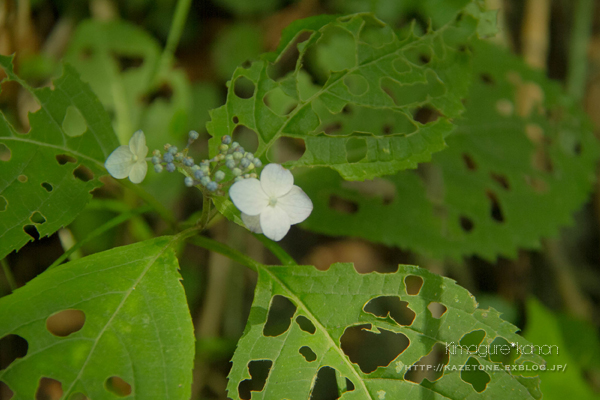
[
  {"x": 137, "y": 326},
  {"x": 520, "y": 162},
  {"x": 339, "y": 299},
  {"x": 47, "y": 173}
]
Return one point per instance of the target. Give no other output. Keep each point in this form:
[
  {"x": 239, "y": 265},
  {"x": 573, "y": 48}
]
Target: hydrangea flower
[
  {"x": 273, "y": 204},
  {"x": 129, "y": 161}
]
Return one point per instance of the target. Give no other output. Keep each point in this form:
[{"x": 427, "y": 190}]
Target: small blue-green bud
[
  {"x": 178, "y": 156},
  {"x": 234, "y": 145},
  {"x": 244, "y": 163},
  {"x": 205, "y": 180},
  {"x": 189, "y": 182},
  {"x": 230, "y": 164},
  {"x": 195, "y": 168},
  {"x": 239, "y": 178},
  {"x": 193, "y": 135},
  {"x": 257, "y": 163},
  {"x": 237, "y": 155},
  {"x": 246, "y": 176},
  {"x": 205, "y": 169},
  {"x": 158, "y": 168},
  {"x": 226, "y": 139},
  {"x": 223, "y": 148},
  {"x": 171, "y": 167},
  {"x": 237, "y": 172},
  {"x": 212, "y": 186},
  {"x": 173, "y": 149},
  {"x": 155, "y": 160},
  {"x": 219, "y": 176},
  {"x": 229, "y": 157},
  {"x": 188, "y": 162},
  {"x": 199, "y": 174},
  {"x": 156, "y": 153},
  {"x": 249, "y": 156},
  {"x": 168, "y": 157},
  {"x": 167, "y": 147},
  {"x": 253, "y": 175},
  {"x": 241, "y": 150},
  {"x": 251, "y": 166}
]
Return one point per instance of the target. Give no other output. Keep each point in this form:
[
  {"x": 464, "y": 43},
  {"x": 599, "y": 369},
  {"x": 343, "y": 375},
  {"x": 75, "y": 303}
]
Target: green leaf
[
  {"x": 375, "y": 70},
  {"x": 137, "y": 325},
  {"x": 563, "y": 377},
  {"x": 332, "y": 303},
  {"x": 520, "y": 162},
  {"x": 47, "y": 173}
]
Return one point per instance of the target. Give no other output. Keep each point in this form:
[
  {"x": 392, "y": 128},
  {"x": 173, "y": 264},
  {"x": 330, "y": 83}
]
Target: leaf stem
[
  {"x": 100, "y": 230},
  {"x": 213, "y": 245},
  {"x": 580, "y": 38},
  {"x": 9, "y": 275}
]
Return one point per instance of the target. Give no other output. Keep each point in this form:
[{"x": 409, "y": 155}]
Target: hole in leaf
[
  {"x": 436, "y": 309},
  {"x": 376, "y": 35},
  {"x": 78, "y": 396},
  {"x": 287, "y": 61},
  {"x": 66, "y": 322},
  {"x": 400, "y": 65},
  {"x": 486, "y": 78},
  {"x": 413, "y": 284},
  {"x": 466, "y": 224},
  {"x": 503, "y": 351},
  {"x": 356, "y": 150},
  {"x": 495, "y": 209},
  {"x": 501, "y": 179},
  {"x": 126, "y": 62},
  {"x": 306, "y": 324},
  {"x": 280, "y": 316},
  {"x": 419, "y": 55},
  {"x": 12, "y": 347},
  {"x": 3, "y": 203},
  {"x": 83, "y": 173},
  {"x": 469, "y": 162},
  {"x": 279, "y": 102},
  {"x": 471, "y": 339},
  {"x": 118, "y": 386},
  {"x": 86, "y": 53},
  {"x": 430, "y": 366},
  {"x": 243, "y": 87},
  {"x": 32, "y": 231},
  {"x": 393, "y": 307},
  {"x": 5, "y": 392},
  {"x": 47, "y": 186},
  {"x": 473, "y": 375},
  {"x": 326, "y": 386},
  {"x": 246, "y": 137},
  {"x": 259, "y": 371},
  {"x": 387, "y": 129},
  {"x": 65, "y": 158},
  {"x": 22, "y": 178},
  {"x": 163, "y": 92},
  {"x": 577, "y": 148},
  {"x": 373, "y": 188},
  {"x": 49, "y": 389},
  {"x": 537, "y": 184},
  {"x": 37, "y": 218},
  {"x": 235, "y": 119},
  {"x": 5, "y": 153},
  {"x": 371, "y": 350},
  {"x": 307, "y": 353},
  {"x": 74, "y": 123},
  {"x": 332, "y": 128},
  {"x": 289, "y": 149},
  {"x": 342, "y": 205},
  {"x": 356, "y": 84},
  {"x": 426, "y": 114}
]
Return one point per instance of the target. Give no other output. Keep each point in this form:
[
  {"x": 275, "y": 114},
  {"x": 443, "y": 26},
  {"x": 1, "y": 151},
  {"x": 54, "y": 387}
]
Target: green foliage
[
  {"x": 136, "y": 325},
  {"x": 121, "y": 63},
  {"x": 48, "y": 172},
  {"x": 519, "y": 163},
  {"x": 327, "y": 305},
  {"x": 568, "y": 358}
]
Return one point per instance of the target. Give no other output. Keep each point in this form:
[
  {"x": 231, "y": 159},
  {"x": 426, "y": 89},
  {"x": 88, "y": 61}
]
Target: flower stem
[{"x": 9, "y": 276}]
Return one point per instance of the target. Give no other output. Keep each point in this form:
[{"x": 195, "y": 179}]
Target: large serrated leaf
[
  {"x": 137, "y": 326},
  {"x": 520, "y": 162},
  {"x": 337, "y": 299},
  {"x": 46, "y": 181}
]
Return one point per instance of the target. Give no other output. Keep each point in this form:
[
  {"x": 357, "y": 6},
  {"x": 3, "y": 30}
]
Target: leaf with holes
[
  {"x": 520, "y": 162},
  {"x": 119, "y": 59},
  {"x": 371, "y": 68},
  {"x": 47, "y": 173},
  {"x": 130, "y": 331},
  {"x": 367, "y": 334}
]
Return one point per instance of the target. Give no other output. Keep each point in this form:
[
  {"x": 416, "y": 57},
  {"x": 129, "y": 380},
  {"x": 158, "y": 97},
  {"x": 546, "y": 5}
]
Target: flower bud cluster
[{"x": 208, "y": 173}]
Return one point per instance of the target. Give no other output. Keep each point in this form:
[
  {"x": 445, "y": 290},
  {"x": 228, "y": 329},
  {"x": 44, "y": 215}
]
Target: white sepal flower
[
  {"x": 129, "y": 161},
  {"x": 273, "y": 204}
]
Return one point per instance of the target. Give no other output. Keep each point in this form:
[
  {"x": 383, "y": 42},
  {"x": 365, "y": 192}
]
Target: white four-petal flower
[
  {"x": 273, "y": 204},
  {"x": 129, "y": 161}
]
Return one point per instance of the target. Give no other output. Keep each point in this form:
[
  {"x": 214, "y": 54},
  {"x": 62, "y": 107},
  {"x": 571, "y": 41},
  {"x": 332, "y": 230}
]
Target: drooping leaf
[
  {"x": 338, "y": 307},
  {"x": 135, "y": 326},
  {"x": 47, "y": 174},
  {"x": 520, "y": 162}
]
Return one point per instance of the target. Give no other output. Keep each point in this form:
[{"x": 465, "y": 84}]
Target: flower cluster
[{"x": 269, "y": 205}]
